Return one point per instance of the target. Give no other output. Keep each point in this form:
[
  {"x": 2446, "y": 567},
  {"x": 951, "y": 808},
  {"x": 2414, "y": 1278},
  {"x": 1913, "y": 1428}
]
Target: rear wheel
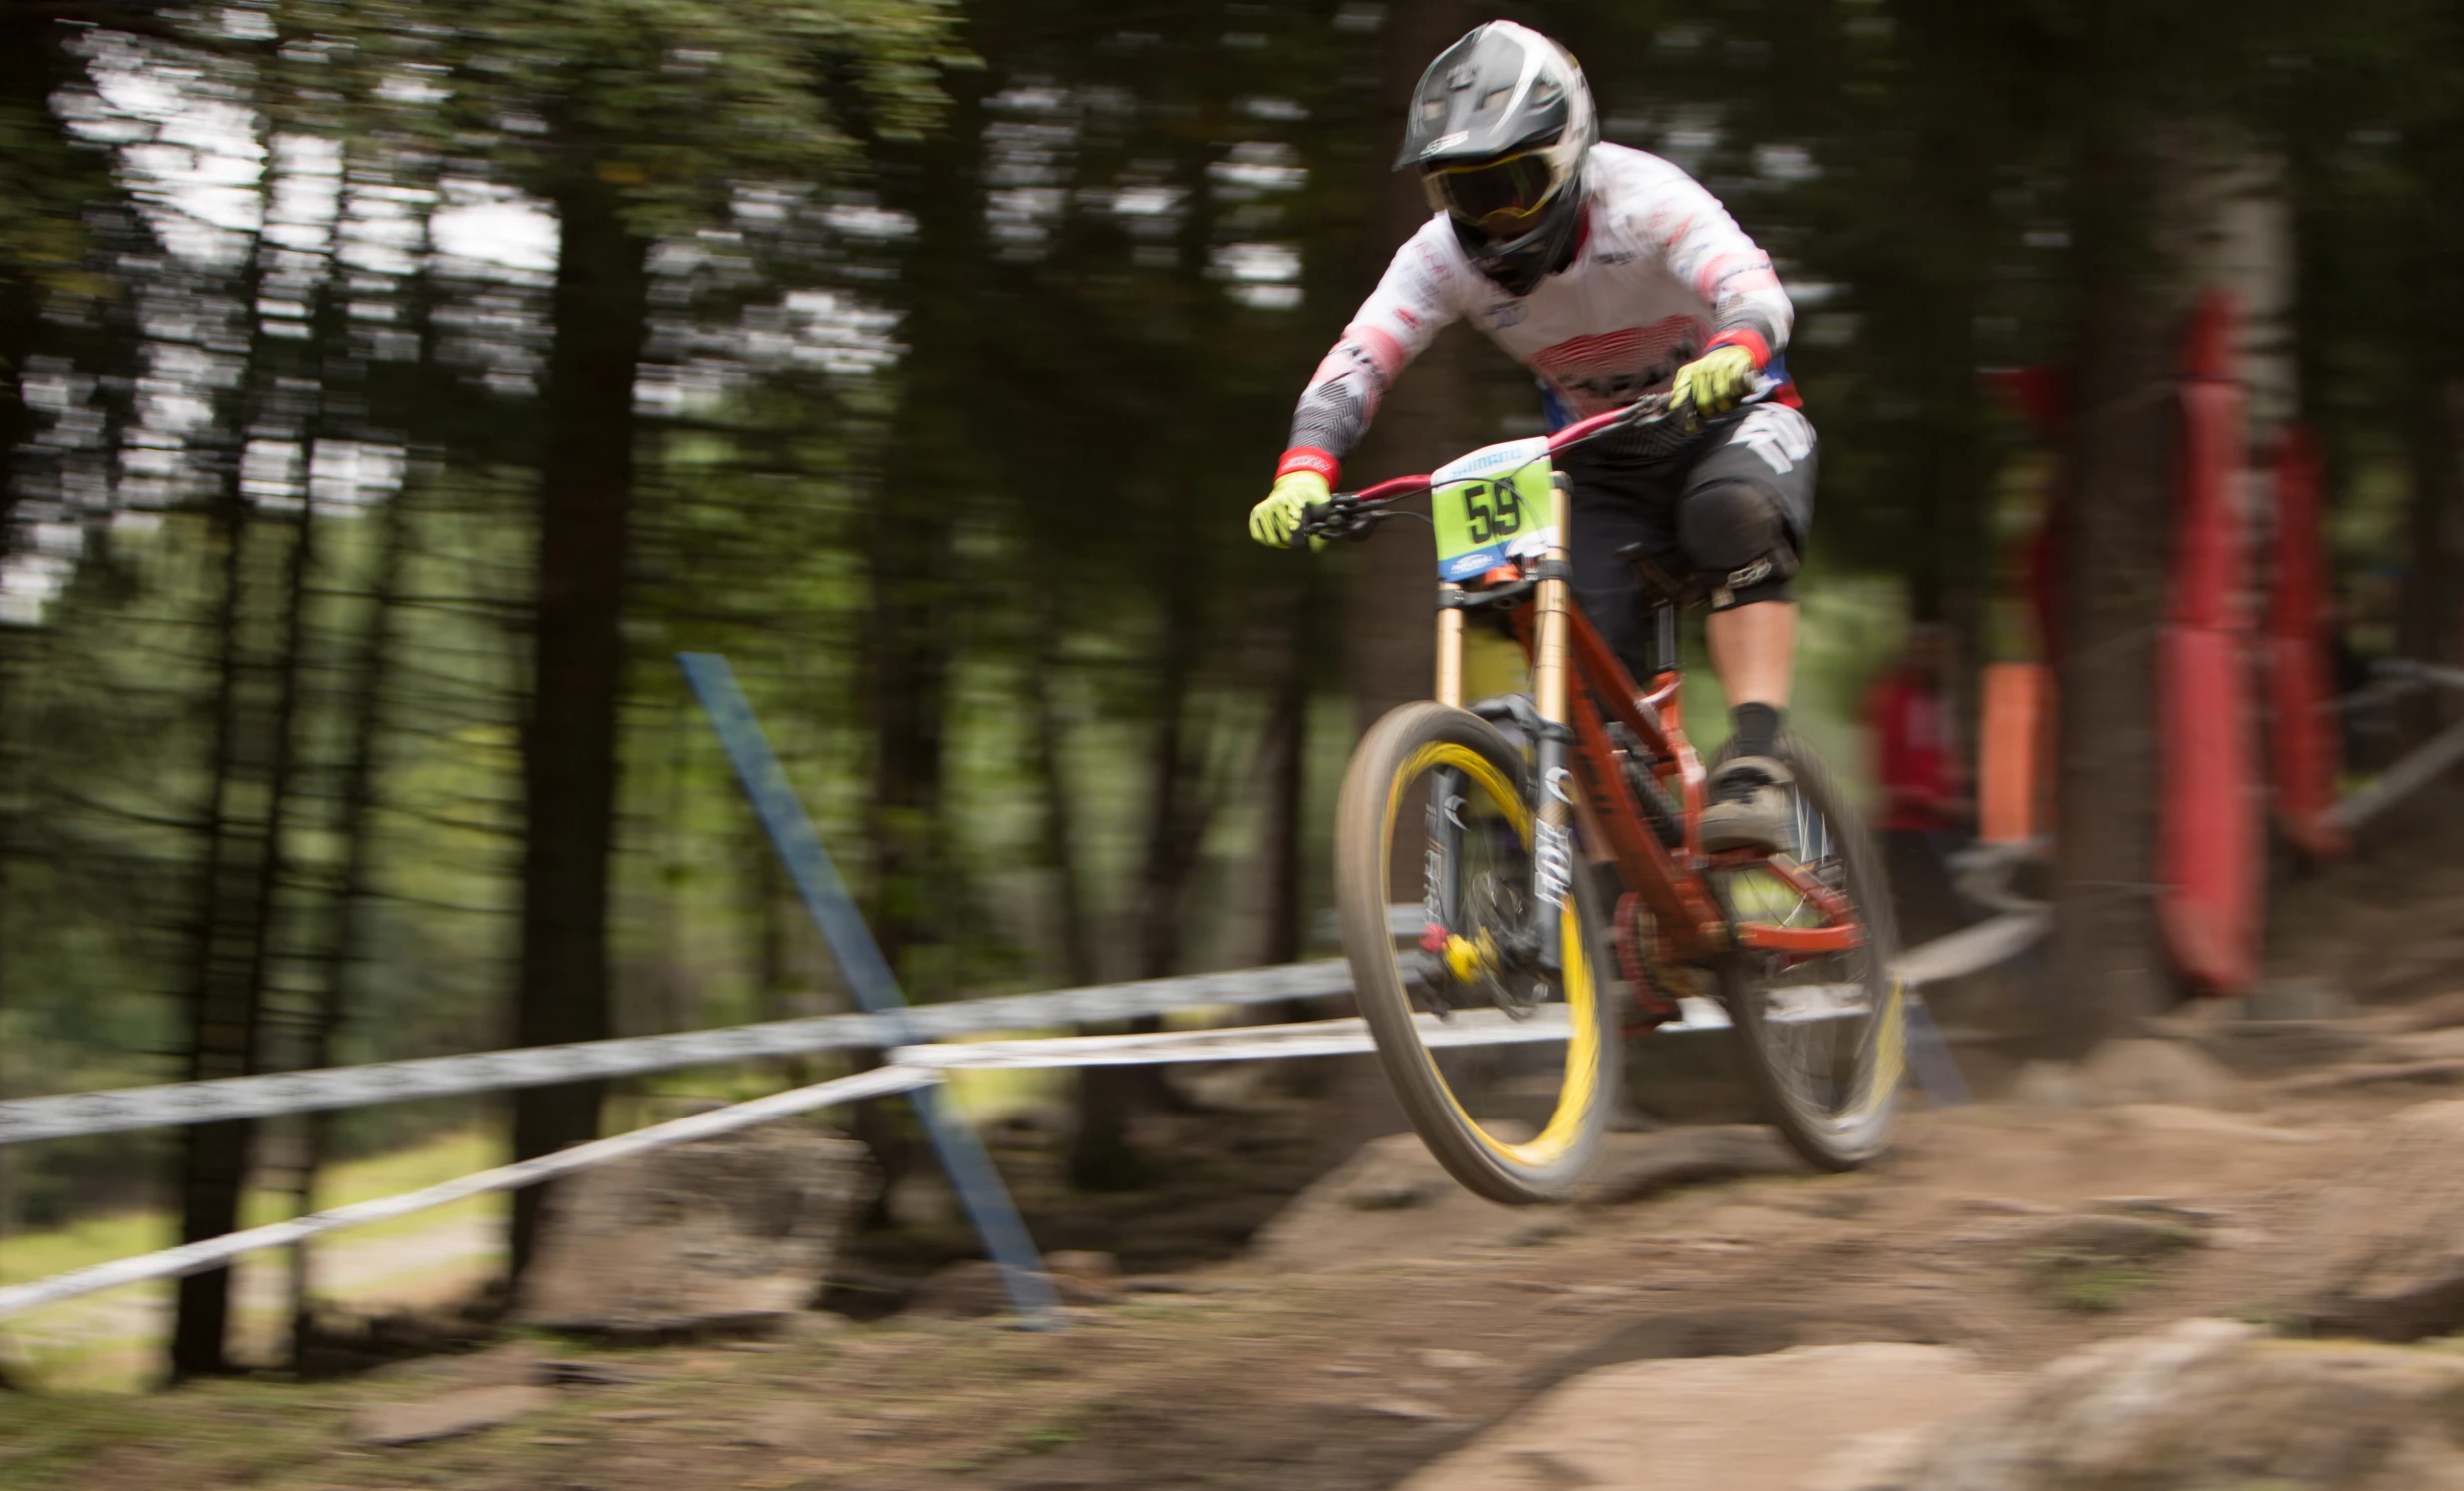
[
  {"x": 1822, "y": 1036},
  {"x": 1508, "y": 1075}
]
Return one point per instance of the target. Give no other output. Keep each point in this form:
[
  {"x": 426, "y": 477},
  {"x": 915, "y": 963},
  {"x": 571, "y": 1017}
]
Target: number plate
[{"x": 1491, "y": 506}]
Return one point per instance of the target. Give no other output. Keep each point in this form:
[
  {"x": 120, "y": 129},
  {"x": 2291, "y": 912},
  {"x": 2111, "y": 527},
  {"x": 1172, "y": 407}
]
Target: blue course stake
[
  {"x": 1929, "y": 1055},
  {"x": 868, "y": 974}
]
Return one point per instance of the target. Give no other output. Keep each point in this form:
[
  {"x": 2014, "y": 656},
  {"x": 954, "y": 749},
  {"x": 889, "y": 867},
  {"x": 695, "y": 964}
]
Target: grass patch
[
  {"x": 86, "y": 1344},
  {"x": 2089, "y": 1281},
  {"x": 2099, "y": 1263},
  {"x": 99, "y": 1240}
]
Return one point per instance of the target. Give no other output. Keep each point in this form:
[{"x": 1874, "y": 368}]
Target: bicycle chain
[{"x": 1655, "y": 1008}]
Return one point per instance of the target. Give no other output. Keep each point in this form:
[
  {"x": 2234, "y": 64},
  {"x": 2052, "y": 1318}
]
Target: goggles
[{"x": 1499, "y": 197}]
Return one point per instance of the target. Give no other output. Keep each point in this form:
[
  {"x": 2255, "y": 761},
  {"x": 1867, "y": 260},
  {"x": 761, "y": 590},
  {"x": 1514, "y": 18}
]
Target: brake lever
[
  {"x": 1661, "y": 408},
  {"x": 1338, "y": 520}
]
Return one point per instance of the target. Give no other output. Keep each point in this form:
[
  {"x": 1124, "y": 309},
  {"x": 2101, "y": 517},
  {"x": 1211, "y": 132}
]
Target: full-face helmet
[{"x": 1499, "y": 130}]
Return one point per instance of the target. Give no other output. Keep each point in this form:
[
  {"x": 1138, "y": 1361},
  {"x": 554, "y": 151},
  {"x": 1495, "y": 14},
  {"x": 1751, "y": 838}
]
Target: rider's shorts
[{"x": 1727, "y": 515}]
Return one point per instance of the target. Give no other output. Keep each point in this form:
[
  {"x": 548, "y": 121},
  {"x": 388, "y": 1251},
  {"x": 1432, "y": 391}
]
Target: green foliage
[
  {"x": 41, "y": 238},
  {"x": 676, "y": 102}
]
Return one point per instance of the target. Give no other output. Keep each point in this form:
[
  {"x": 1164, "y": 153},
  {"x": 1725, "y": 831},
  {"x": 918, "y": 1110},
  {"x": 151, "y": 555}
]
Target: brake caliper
[{"x": 1466, "y": 962}]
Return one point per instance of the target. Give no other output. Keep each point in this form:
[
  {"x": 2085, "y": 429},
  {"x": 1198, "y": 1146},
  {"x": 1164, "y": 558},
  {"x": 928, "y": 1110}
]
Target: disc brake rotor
[{"x": 1496, "y": 909}]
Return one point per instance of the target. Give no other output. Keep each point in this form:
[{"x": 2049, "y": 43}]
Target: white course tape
[
  {"x": 1972, "y": 948},
  {"x": 1317, "y": 1038},
  {"x": 2417, "y": 769},
  {"x": 175, "y": 1104},
  {"x": 1239, "y": 1043},
  {"x": 916, "y": 1066},
  {"x": 197, "y": 1258}
]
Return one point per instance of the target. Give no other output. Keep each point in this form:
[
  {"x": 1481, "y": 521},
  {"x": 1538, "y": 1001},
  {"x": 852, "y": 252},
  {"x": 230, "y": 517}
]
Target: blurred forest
[{"x": 392, "y": 388}]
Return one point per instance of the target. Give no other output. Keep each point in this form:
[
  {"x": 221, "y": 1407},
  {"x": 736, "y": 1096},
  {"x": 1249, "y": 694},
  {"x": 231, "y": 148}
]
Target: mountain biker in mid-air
[{"x": 1612, "y": 275}]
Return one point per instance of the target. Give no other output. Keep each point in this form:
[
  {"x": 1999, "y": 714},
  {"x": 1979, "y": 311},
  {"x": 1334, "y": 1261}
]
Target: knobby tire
[
  {"x": 1853, "y": 1133},
  {"x": 1547, "y": 1167}
]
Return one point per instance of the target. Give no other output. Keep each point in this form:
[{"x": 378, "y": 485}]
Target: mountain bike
[{"x": 1558, "y": 897}]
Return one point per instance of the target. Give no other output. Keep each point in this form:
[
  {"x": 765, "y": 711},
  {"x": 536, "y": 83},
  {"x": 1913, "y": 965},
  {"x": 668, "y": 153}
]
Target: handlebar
[{"x": 1354, "y": 515}]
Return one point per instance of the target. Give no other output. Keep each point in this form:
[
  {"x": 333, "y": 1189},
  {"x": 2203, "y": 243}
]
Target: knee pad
[{"x": 1737, "y": 541}]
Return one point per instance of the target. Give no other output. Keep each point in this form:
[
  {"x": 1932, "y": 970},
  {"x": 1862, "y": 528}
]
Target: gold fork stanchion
[
  {"x": 1451, "y": 645},
  {"x": 1548, "y": 648}
]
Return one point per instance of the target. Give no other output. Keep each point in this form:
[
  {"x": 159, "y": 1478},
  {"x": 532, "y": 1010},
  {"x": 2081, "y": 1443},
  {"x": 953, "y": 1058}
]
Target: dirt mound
[
  {"x": 1815, "y": 1417},
  {"x": 2212, "y": 1403},
  {"x": 2388, "y": 1235},
  {"x": 731, "y": 1231}
]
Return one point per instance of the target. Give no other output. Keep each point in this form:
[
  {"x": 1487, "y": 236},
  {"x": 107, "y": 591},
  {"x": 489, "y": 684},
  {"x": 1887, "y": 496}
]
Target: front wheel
[
  {"x": 1507, "y": 1071},
  {"x": 1822, "y": 1036}
]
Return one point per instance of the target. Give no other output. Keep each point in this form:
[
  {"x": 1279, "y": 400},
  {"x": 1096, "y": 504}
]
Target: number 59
[{"x": 1495, "y": 509}]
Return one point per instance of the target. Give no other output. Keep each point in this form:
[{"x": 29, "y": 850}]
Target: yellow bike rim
[{"x": 1581, "y": 1083}]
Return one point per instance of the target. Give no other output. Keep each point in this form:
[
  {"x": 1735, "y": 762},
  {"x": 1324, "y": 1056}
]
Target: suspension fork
[
  {"x": 1552, "y": 852},
  {"x": 1442, "y": 869},
  {"x": 1441, "y": 895}
]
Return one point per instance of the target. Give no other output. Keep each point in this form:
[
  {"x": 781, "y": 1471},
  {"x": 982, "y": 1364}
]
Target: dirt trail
[
  {"x": 1350, "y": 1377},
  {"x": 2012, "y": 1231},
  {"x": 1339, "y": 1378}
]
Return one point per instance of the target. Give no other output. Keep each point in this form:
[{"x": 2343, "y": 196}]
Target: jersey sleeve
[
  {"x": 1410, "y": 305},
  {"x": 1708, "y": 252}
]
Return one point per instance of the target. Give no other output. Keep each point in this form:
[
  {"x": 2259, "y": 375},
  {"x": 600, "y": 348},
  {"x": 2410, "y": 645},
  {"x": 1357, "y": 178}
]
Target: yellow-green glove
[
  {"x": 1714, "y": 381},
  {"x": 1274, "y": 521}
]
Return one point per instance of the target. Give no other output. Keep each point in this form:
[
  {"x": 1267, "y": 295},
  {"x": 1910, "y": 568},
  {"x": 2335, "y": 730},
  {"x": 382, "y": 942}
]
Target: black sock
[{"x": 1757, "y": 726}]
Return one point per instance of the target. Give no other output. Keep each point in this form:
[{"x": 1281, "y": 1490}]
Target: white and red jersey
[{"x": 1661, "y": 275}]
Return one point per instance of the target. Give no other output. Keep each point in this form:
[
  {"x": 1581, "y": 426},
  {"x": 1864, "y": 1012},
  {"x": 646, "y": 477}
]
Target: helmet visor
[{"x": 1499, "y": 197}]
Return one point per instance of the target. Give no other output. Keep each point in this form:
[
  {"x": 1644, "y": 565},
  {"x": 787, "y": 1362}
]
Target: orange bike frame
[{"x": 1690, "y": 920}]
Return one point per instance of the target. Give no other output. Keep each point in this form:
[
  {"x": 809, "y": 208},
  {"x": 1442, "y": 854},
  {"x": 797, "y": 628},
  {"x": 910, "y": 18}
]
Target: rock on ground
[
  {"x": 2212, "y": 1404},
  {"x": 1817, "y": 1418},
  {"x": 731, "y": 1231},
  {"x": 2388, "y": 1235}
]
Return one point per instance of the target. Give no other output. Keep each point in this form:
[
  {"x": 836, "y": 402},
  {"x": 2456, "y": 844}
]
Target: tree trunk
[
  {"x": 258, "y": 662},
  {"x": 34, "y": 64},
  {"x": 1176, "y": 814},
  {"x": 2108, "y": 957},
  {"x": 20, "y": 315},
  {"x": 570, "y": 743},
  {"x": 1058, "y": 841},
  {"x": 911, "y": 656},
  {"x": 354, "y": 825},
  {"x": 926, "y": 473},
  {"x": 1103, "y": 1157},
  {"x": 292, "y": 663},
  {"x": 1287, "y": 758},
  {"x": 2431, "y": 629},
  {"x": 213, "y": 1160},
  {"x": 254, "y": 759}
]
